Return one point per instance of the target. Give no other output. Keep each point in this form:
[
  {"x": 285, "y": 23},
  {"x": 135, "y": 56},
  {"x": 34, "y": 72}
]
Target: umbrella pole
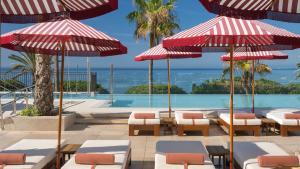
[
  {"x": 169, "y": 87},
  {"x": 253, "y": 86},
  {"x": 231, "y": 132},
  {"x": 60, "y": 106}
]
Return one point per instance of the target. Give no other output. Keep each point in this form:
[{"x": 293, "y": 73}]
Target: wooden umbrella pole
[
  {"x": 231, "y": 132},
  {"x": 60, "y": 105},
  {"x": 253, "y": 86},
  {"x": 169, "y": 87}
]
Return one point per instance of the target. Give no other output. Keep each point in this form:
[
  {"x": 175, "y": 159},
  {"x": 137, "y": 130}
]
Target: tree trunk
[
  {"x": 43, "y": 96},
  {"x": 56, "y": 74},
  {"x": 152, "y": 44}
]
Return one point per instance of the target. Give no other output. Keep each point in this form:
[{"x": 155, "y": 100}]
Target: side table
[{"x": 217, "y": 151}]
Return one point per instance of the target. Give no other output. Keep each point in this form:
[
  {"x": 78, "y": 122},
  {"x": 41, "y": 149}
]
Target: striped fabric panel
[
  {"x": 286, "y": 6},
  {"x": 158, "y": 52},
  {"x": 35, "y": 7},
  {"x": 70, "y": 30},
  {"x": 250, "y": 5}
]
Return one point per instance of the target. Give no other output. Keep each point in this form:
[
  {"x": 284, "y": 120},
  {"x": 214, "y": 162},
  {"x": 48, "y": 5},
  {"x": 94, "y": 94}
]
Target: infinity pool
[{"x": 196, "y": 101}]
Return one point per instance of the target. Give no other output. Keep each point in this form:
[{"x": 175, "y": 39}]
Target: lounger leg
[
  {"x": 283, "y": 131},
  {"x": 257, "y": 132},
  {"x": 180, "y": 130},
  {"x": 156, "y": 130},
  {"x": 205, "y": 131},
  {"x": 131, "y": 130}
]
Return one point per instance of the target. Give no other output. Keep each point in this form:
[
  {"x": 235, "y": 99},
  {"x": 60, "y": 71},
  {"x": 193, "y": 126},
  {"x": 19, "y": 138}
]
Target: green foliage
[
  {"x": 262, "y": 86},
  {"x": 157, "y": 89},
  {"x": 30, "y": 111},
  {"x": 11, "y": 84},
  {"x": 81, "y": 86}
]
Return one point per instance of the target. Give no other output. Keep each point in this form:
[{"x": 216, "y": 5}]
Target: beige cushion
[
  {"x": 39, "y": 152},
  {"x": 120, "y": 148},
  {"x": 133, "y": 120},
  {"x": 226, "y": 118},
  {"x": 245, "y": 153},
  {"x": 163, "y": 147},
  {"x": 278, "y": 116}
]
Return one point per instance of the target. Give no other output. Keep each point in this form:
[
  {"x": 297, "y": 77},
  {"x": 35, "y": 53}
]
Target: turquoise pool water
[{"x": 196, "y": 101}]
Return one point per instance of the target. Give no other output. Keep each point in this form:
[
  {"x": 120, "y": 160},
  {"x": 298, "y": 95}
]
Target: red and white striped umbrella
[
  {"x": 222, "y": 31},
  {"x": 65, "y": 37},
  {"x": 283, "y": 10},
  {"x": 61, "y": 30},
  {"x": 32, "y": 11},
  {"x": 158, "y": 53},
  {"x": 243, "y": 54}
]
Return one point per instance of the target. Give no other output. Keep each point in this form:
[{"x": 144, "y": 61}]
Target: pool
[{"x": 196, "y": 101}]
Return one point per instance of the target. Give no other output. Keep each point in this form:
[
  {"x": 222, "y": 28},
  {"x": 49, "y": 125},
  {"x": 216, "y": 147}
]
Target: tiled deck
[{"x": 143, "y": 147}]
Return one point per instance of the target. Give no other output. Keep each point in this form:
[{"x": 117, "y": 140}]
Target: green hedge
[
  {"x": 157, "y": 89},
  {"x": 262, "y": 86},
  {"x": 81, "y": 86},
  {"x": 11, "y": 84}
]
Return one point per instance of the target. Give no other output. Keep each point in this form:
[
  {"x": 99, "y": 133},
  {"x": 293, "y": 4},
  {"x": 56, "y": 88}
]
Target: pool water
[{"x": 196, "y": 101}]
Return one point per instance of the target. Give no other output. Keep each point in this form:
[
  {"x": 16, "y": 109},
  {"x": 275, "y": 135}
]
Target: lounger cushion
[
  {"x": 163, "y": 147},
  {"x": 144, "y": 115},
  {"x": 133, "y": 120},
  {"x": 185, "y": 158},
  {"x": 94, "y": 159},
  {"x": 292, "y": 116},
  {"x": 181, "y": 121},
  {"x": 120, "y": 148},
  {"x": 39, "y": 152},
  {"x": 12, "y": 158},
  {"x": 244, "y": 116},
  {"x": 279, "y": 116},
  {"x": 278, "y": 161},
  {"x": 226, "y": 117},
  {"x": 192, "y": 115},
  {"x": 246, "y": 153}
]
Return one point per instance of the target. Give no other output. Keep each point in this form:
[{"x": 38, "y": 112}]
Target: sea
[{"x": 183, "y": 78}]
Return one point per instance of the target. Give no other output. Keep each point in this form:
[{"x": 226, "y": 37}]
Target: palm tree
[
  {"x": 24, "y": 63},
  {"x": 243, "y": 68},
  {"x": 154, "y": 19},
  {"x": 298, "y": 71}
]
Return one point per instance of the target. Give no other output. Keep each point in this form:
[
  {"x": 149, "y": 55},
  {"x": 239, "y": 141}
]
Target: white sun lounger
[
  {"x": 39, "y": 152},
  {"x": 241, "y": 124},
  {"x": 144, "y": 124},
  {"x": 120, "y": 148},
  {"x": 285, "y": 124},
  {"x": 245, "y": 153},
  {"x": 190, "y": 124},
  {"x": 163, "y": 147}
]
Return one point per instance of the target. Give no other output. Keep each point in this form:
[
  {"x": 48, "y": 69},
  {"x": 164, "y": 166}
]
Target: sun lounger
[
  {"x": 253, "y": 125},
  {"x": 40, "y": 153},
  {"x": 144, "y": 124},
  {"x": 246, "y": 153},
  {"x": 120, "y": 148},
  {"x": 163, "y": 147},
  {"x": 191, "y": 124},
  {"x": 286, "y": 125}
]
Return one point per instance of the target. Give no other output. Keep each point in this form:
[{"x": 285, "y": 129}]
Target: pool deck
[{"x": 143, "y": 146}]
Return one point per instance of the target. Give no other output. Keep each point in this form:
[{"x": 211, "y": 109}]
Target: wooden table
[
  {"x": 217, "y": 151},
  {"x": 168, "y": 123},
  {"x": 68, "y": 150},
  {"x": 267, "y": 125}
]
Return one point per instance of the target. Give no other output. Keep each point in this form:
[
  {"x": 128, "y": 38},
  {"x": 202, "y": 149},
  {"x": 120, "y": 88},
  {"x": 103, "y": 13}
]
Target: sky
[{"x": 189, "y": 12}]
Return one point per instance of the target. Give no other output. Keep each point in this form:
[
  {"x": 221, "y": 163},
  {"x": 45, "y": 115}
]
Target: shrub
[
  {"x": 12, "y": 84},
  {"x": 81, "y": 86},
  {"x": 157, "y": 89},
  {"x": 30, "y": 111}
]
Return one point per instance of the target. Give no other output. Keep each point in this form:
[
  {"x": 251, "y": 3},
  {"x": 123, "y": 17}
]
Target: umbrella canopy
[
  {"x": 283, "y": 10},
  {"x": 219, "y": 33},
  {"x": 32, "y": 11},
  {"x": 242, "y": 53},
  {"x": 158, "y": 53},
  {"x": 65, "y": 37},
  {"x": 224, "y": 34}
]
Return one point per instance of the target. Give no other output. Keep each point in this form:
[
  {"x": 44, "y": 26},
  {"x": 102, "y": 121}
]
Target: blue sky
[{"x": 189, "y": 12}]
